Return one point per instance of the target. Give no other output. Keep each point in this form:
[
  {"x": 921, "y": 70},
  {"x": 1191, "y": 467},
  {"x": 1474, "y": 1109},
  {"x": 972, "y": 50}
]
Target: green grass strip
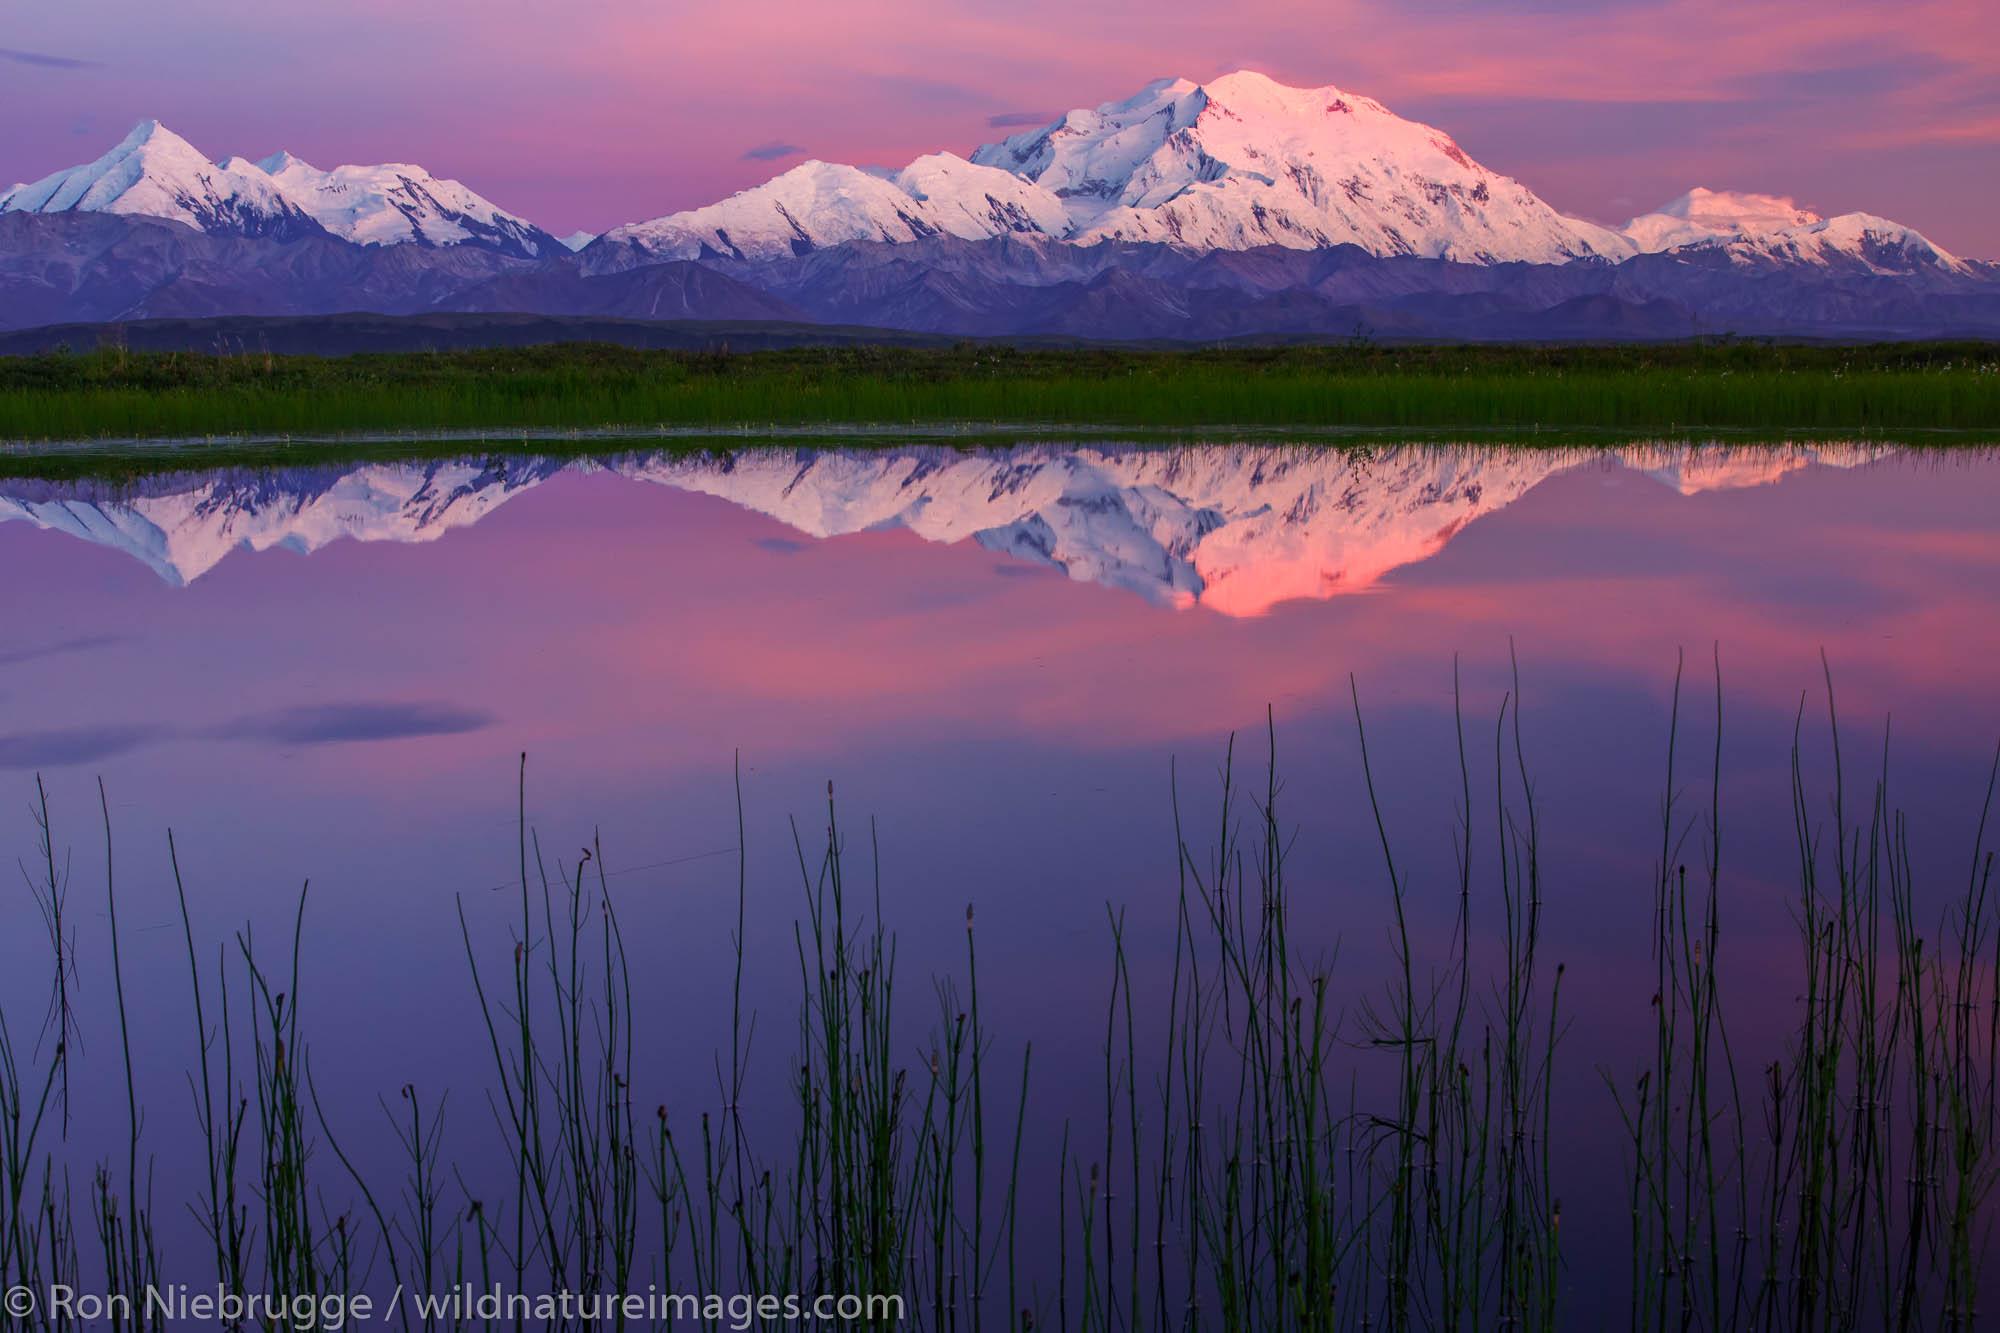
[{"x": 111, "y": 394}]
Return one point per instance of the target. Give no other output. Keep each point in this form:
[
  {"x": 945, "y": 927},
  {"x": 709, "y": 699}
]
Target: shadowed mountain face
[
  {"x": 1236, "y": 529},
  {"x": 92, "y": 267},
  {"x": 100, "y": 266},
  {"x": 70, "y": 268}
]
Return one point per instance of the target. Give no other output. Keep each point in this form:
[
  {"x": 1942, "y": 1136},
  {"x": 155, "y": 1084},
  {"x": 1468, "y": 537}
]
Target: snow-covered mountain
[
  {"x": 1236, "y": 529},
  {"x": 1245, "y": 161},
  {"x": 1239, "y": 163},
  {"x": 156, "y": 173},
  {"x": 397, "y": 203},
  {"x": 1235, "y": 164},
  {"x": 1193, "y": 212},
  {"x": 1762, "y": 228},
  {"x": 1231, "y": 165},
  {"x": 820, "y": 204}
]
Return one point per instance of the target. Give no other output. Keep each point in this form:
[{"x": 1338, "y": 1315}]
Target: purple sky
[{"x": 587, "y": 113}]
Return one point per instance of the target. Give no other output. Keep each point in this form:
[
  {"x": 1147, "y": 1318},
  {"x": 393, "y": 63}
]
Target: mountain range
[
  {"x": 1236, "y": 529},
  {"x": 1232, "y": 208}
]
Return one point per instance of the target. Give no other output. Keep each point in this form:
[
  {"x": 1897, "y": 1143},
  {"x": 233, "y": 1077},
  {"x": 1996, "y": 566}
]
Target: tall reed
[{"x": 1271, "y": 1151}]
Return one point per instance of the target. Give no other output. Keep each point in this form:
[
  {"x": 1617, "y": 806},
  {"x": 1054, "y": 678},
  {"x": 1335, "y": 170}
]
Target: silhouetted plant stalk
[
  {"x": 1854, "y": 1196},
  {"x": 1263, "y": 1159}
]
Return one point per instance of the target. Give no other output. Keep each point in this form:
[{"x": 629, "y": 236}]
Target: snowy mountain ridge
[
  {"x": 1759, "y": 227},
  {"x": 397, "y": 202},
  {"x": 155, "y": 172},
  {"x": 1240, "y": 162},
  {"x": 1237, "y": 163},
  {"x": 1231, "y": 165}
]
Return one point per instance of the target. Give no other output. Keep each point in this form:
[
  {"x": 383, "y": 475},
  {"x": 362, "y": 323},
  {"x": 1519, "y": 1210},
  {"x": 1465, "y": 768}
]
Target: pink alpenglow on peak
[{"x": 1244, "y": 161}]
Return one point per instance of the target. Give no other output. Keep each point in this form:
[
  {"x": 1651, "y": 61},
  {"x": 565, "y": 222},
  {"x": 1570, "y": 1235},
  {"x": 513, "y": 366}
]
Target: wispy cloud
[
  {"x": 71, "y": 745},
  {"x": 1979, "y": 131},
  {"x": 326, "y": 724},
  {"x": 46, "y": 61},
  {"x": 771, "y": 152},
  {"x": 1007, "y": 120},
  {"x": 937, "y": 92},
  {"x": 319, "y": 724},
  {"x": 13, "y": 656}
]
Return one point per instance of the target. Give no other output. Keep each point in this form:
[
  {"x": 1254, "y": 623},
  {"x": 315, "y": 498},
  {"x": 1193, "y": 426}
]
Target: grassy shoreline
[{"x": 112, "y": 394}]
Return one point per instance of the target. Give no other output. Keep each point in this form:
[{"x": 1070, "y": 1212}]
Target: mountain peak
[
  {"x": 818, "y": 204},
  {"x": 154, "y": 172},
  {"x": 1738, "y": 209},
  {"x": 152, "y": 140},
  {"x": 1240, "y": 162},
  {"x": 1249, "y": 81},
  {"x": 1764, "y": 228},
  {"x": 282, "y": 161},
  {"x": 1247, "y": 90},
  {"x": 396, "y": 202},
  {"x": 1244, "y": 161},
  {"x": 145, "y": 132}
]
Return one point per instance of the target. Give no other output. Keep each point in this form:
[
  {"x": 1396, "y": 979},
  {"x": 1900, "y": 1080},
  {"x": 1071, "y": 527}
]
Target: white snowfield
[
  {"x": 1236, "y": 163},
  {"x": 1236, "y": 529}
]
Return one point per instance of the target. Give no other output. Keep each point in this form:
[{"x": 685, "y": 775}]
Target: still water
[{"x": 1007, "y": 663}]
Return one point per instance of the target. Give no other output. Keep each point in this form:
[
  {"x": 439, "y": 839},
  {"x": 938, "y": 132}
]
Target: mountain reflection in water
[{"x": 1235, "y": 529}]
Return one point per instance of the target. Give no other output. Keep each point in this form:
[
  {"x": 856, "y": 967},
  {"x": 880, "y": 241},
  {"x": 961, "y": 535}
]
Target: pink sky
[{"x": 589, "y": 113}]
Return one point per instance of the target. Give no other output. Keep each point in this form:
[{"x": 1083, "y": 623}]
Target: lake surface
[{"x": 1007, "y": 663}]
